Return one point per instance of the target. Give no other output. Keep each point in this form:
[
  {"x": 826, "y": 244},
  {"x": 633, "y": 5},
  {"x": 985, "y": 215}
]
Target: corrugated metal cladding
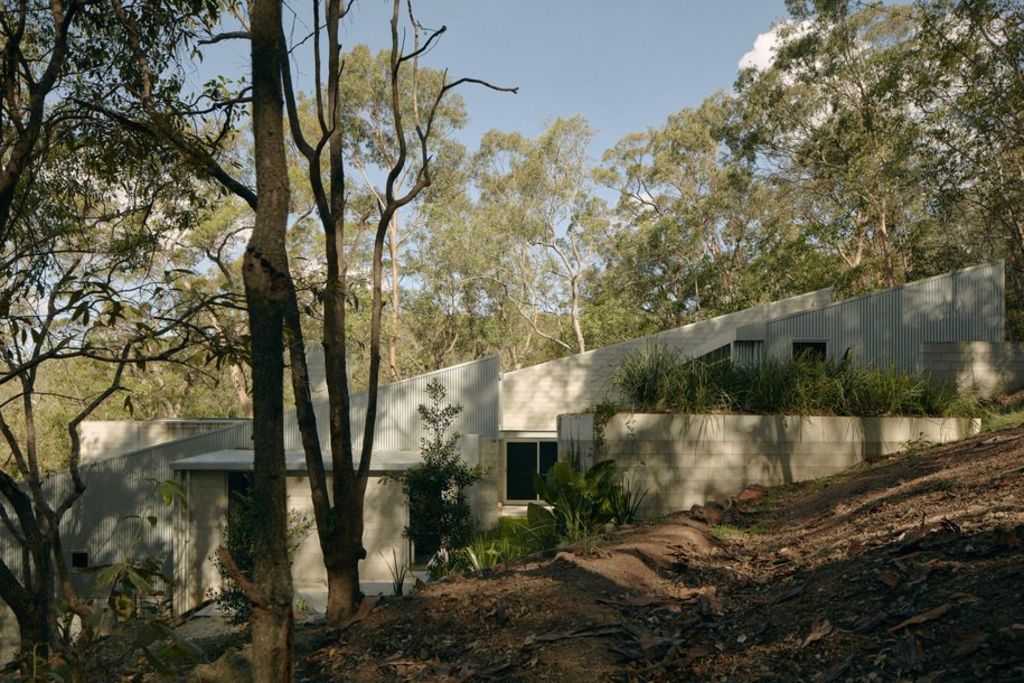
[
  {"x": 122, "y": 486},
  {"x": 747, "y": 353},
  {"x": 889, "y": 327},
  {"x": 473, "y": 385}
]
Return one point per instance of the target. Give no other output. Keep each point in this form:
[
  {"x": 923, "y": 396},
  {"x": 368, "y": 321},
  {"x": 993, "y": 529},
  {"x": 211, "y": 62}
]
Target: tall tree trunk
[
  {"x": 267, "y": 284},
  {"x": 393, "y": 333},
  {"x": 576, "y": 314},
  {"x": 888, "y": 272}
]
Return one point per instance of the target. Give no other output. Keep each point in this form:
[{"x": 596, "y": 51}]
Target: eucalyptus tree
[
  {"x": 833, "y": 117},
  {"x": 672, "y": 184},
  {"x": 154, "y": 108},
  {"x": 83, "y": 212},
  {"x": 536, "y": 197},
  {"x": 83, "y": 282},
  {"x": 339, "y": 518},
  {"x": 969, "y": 85},
  {"x": 373, "y": 150}
]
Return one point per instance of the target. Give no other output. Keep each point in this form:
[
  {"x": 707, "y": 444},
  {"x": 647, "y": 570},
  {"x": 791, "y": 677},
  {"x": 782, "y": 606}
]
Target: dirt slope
[{"x": 907, "y": 569}]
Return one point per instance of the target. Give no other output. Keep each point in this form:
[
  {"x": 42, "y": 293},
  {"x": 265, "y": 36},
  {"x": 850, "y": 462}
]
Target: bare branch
[{"x": 227, "y": 35}]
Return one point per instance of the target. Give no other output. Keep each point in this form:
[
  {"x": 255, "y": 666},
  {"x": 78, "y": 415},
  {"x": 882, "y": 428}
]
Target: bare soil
[{"x": 910, "y": 568}]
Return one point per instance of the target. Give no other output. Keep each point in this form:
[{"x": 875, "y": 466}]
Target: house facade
[{"x": 509, "y": 426}]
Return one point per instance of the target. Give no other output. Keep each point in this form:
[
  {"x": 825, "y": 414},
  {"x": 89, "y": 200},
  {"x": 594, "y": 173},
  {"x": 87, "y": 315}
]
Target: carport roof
[{"x": 240, "y": 460}]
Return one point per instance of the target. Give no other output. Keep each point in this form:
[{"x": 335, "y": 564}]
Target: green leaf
[{"x": 540, "y": 519}]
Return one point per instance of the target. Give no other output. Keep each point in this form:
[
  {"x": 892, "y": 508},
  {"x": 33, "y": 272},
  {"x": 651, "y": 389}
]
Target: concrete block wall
[
  {"x": 987, "y": 368},
  {"x": 485, "y": 495},
  {"x": 207, "y": 494},
  {"x": 684, "y": 460},
  {"x": 385, "y": 517},
  {"x": 108, "y": 438}
]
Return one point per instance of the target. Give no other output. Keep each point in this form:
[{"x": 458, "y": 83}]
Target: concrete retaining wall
[
  {"x": 987, "y": 368},
  {"x": 684, "y": 460}
]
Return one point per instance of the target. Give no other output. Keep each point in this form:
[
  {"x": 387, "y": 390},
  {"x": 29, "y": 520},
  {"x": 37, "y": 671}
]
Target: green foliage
[
  {"x": 580, "y": 501},
  {"x": 440, "y": 518},
  {"x": 603, "y": 412},
  {"x": 625, "y": 500},
  {"x": 1002, "y": 413},
  {"x": 658, "y": 379},
  {"x": 398, "y": 572},
  {"x": 240, "y": 542},
  {"x": 513, "y": 538}
]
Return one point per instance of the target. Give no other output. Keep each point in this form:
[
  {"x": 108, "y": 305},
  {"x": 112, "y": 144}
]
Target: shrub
[
  {"x": 239, "y": 540},
  {"x": 648, "y": 379},
  {"x": 513, "y": 538},
  {"x": 625, "y": 500},
  {"x": 659, "y": 379},
  {"x": 440, "y": 519},
  {"x": 579, "y": 501}
]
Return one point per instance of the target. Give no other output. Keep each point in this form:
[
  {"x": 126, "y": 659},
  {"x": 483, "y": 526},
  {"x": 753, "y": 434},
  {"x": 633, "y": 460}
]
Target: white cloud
[
  {"x": 761, "y": 56},
  {"x": 766, "y": 44}
]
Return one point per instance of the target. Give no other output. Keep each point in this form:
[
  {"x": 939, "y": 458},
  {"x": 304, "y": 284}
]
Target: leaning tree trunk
[{"x": 267, "y": 285}]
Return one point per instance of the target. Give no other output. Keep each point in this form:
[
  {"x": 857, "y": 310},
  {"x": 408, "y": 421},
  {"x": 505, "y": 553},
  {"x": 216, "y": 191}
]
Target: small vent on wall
[{"x": 79, "y": 559}]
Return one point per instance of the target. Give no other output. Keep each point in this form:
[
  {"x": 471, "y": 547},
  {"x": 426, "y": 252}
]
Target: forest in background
[{"x": 885, "y": 143}]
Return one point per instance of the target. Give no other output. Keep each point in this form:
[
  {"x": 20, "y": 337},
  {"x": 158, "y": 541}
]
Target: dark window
[
  {"x": 239, "y": 486},
  {"x": 523, "y": 459},
  {"x": 424, "y": 549},
  {"x": 520, "y": 466},
  {"x": 722, "y": 353},
  {"x": 79, "y": 559},
  {"x": 809, "y": 350},
  {"x": 548, "y": 456}
]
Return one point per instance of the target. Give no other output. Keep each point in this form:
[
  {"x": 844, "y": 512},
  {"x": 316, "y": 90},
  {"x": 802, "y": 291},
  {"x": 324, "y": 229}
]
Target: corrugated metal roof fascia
[
  {"x": 243, "y": 430},
  {"x": 889, "y": 327},
  {"x": 905, "y": 285}
]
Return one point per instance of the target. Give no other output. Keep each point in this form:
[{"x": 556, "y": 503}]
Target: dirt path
[{"x": 907, "y": 569}]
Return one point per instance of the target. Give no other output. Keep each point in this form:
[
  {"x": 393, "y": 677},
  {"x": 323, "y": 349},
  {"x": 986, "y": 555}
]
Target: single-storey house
[{"x": 952, "y": 325}]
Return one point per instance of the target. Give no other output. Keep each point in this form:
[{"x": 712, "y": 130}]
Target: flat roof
[{"x": 240, "y": 460}]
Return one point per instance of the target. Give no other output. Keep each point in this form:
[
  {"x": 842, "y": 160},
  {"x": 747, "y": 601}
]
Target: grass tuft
[{"x": 659, "y": 379}]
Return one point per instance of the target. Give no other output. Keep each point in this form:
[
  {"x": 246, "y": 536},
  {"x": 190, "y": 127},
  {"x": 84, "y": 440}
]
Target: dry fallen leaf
[
  {"x": 693, "y": 653},
  {"x": 889, "y": 578},
  {"x": 921, "y": 618},
  {"x": 709, "y": 604},
  {"x": 820, "y": 627},
  {"x": 1005, "y": 537},
  {"x": 752, "y": 494},
  {"x": 834, "y": 671}
]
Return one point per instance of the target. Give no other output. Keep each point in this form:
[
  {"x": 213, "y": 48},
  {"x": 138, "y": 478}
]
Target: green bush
[
  {"x": 580, "y": 501},
  {"x": 658, "y": 379},
  {"x": 240, "y": 542},
  {"x": 440, "y": 519}
]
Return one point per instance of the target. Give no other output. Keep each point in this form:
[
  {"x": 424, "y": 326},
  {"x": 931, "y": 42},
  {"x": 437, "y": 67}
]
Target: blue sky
[{"x": 625, "y": 66}]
